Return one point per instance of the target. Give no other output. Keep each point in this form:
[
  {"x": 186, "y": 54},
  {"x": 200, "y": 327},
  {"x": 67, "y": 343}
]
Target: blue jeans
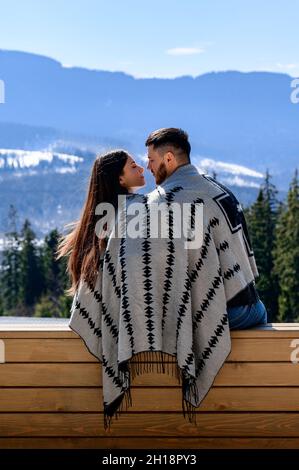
[{"x": 245, "y": 316}]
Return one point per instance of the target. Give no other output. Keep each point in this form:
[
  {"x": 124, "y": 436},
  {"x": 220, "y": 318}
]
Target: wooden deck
[{"x": 51, "y": 395}]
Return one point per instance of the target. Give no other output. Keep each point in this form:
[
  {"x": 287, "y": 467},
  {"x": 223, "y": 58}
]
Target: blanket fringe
[
  {"x": 147, "y": 362},
  {"x": 189, "y": 393},
  {"x": 115, "y": 409},
  {"x": 158, "y": 362}
]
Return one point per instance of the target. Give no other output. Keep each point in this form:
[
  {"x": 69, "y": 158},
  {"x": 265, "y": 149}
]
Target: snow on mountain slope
[
  {"x": 230, "y": 173},
  {"x": 32, "y": 162}
]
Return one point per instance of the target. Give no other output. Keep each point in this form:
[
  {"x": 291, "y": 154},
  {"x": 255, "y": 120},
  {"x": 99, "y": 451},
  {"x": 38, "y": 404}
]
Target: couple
[{"x": 132, "y": 296}]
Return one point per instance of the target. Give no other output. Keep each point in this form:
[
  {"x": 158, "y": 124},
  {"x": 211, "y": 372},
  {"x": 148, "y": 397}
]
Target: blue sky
[{"x": 157, "y": 38}]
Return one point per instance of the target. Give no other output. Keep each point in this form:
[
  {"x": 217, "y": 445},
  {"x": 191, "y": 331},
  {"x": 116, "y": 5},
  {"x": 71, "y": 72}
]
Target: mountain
[
  {"x": 234, "y": 120},
  {"x": 245, "y": 118},
  {"x": 49, "y": 187}
]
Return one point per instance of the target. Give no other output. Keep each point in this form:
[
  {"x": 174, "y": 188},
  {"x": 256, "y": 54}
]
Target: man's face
[{"x": 156, "y": 165}]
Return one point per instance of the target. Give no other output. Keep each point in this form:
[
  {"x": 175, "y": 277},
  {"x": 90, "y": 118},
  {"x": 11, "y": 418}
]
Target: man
[{"x": 169, "y": 162}]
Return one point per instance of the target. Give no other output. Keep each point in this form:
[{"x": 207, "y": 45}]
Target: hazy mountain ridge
[
  {"x": 245, "y": 118},
  {"x": 239, "y": 124}
]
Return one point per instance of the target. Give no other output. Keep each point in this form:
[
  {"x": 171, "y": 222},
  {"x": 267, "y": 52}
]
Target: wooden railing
[{"x": 51, "y": 395}]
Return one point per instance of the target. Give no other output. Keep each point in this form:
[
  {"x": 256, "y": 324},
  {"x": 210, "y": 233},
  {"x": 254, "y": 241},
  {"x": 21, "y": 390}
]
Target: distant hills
[{"x": 239, "y": 125}]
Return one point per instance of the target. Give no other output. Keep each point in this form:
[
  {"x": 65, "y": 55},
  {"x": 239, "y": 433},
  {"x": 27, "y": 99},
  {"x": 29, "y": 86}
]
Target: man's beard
[{"x": 161, "y": 174}]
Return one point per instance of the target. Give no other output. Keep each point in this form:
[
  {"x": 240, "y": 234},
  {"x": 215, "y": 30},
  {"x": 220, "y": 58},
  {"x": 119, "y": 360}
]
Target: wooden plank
[
  {"x": 150, "y": 424},
  {"x": 33, "y": 323},
  {"x": 282, "y": 331},
  {"x": 148, "y": 443},
  {"x": 90, "y": 375},
  {"x": 258, "y": 374},
  {"x": 45, "y": 328},
  {"x": 74, "y": 350},
  {"x": 261, "y": 349},
  {"x": 61, "y": 324},
  {"x": 51, "y": 399},
  {"x": 286, "y": 332},
  {"x": 47, "y": 350},
  {"x": 279, "y": 333},
  {"x": 50, "y": 375},
  {"x": 4, "y": 334},
  {"x": 148, "y": 400}
]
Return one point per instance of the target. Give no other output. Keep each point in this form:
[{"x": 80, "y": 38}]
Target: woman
[{"x": 114, "y": 173}]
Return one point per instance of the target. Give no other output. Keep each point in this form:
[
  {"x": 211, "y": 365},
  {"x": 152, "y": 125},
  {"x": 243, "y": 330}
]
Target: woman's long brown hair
[{"x": 82, "y": 245}]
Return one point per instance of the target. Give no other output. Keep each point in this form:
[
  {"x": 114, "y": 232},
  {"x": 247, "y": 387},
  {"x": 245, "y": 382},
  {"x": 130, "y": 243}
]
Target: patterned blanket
[{"x": 157, "y": 297}]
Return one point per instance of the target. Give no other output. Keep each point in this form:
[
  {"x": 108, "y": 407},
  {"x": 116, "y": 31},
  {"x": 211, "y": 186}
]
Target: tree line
[
  {"x": 274, "y": 231},
  {"x": 33, "y": 282}
]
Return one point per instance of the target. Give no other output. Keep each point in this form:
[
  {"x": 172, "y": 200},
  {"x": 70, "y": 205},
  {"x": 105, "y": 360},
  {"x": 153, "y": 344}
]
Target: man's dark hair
[{"x": 171, "y": 136}]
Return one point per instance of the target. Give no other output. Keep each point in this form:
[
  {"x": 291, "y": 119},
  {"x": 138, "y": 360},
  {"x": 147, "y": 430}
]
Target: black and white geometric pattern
[
  {"x": 232, "y": 211},
  {"x": 156, "y": 296}
]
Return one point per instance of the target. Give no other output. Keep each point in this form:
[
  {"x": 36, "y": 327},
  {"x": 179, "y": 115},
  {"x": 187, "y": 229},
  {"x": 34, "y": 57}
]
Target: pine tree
[
  {"x": 52, "y": 267},
  {"x": 54, "y": 302},
  {"x": 30, "y": 272},
  {"x": 10, "y": 266},
  {"x": 286, "y": 254},
  {"x": 262, "y": 218}
]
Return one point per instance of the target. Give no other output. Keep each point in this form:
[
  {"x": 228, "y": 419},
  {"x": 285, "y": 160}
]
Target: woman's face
[{"x": 132, "y": 176}]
